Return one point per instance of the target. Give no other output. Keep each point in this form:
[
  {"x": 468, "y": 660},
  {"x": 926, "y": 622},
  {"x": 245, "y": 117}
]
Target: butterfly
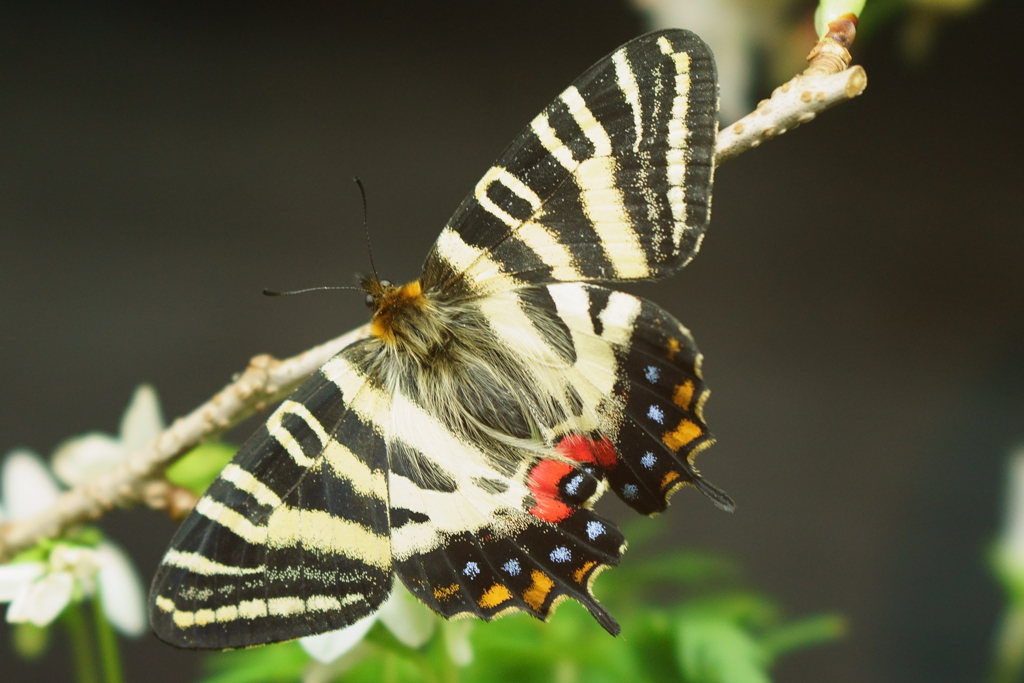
[{"x": 462, "y": 445}]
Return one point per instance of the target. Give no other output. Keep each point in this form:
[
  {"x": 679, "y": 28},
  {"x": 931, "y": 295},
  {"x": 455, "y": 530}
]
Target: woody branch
[{"x": 139, "y": 478}]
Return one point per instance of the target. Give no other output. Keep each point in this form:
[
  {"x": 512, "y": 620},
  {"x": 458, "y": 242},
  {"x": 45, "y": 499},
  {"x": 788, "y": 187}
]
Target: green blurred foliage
[
  {"x": 715, "y": 630},
  {"x": 272, "y": 664},
  {"x": 197, "y": 469},
  {"x": 30, "y": 641}
]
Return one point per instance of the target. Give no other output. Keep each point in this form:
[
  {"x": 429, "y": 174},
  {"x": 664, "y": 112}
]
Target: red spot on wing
[
  {"x": 544, "y": 478},
  {"x": 585, "y": 449},
  {"x": 605, "y": 452}
]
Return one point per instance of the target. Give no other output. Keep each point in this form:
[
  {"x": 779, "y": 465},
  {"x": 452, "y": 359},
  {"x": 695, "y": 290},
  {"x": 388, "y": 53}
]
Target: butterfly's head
[{"x": 376, "y": 290}]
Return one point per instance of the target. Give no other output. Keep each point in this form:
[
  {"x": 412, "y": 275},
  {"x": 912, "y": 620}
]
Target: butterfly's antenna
[
  {"x": 366, "y": 225},
  {"x": 270, "y": 292},
  {"x": 366, "y": 229}
]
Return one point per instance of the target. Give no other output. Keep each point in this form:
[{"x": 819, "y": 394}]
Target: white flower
[
  {"x": 456, "y": 638},
  {"x": 329, "y": 646},
  {"x": 27, "y": 486},
  {"x": 411, "y": 622},
  {"x": 39, "y": 591},
  {"x": 81, "y": 458},
  {"x": 121, "y": 592}
]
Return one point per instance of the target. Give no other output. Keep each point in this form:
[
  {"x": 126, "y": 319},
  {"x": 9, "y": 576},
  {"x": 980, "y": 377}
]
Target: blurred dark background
[{"x": 859, "y": 298}]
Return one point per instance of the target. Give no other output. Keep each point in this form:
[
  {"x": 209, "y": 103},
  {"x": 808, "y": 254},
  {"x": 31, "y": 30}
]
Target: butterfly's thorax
[
  {"x": 443, "y": 354},
  {"x": 402, "y": 316}
]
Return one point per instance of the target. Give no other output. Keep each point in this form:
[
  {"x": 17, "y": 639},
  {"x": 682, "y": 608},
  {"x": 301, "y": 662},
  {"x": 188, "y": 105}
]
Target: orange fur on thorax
[{"x": 394, "y": 304}]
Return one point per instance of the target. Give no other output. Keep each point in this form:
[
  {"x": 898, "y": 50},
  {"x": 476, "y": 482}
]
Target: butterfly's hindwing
[
  {"x": 643, "y": 366},
  {"x": 293, "y": 537},
  {"x": 488, "y": 574},
  {"x": 611, "y": 181},
  {"x": 664, "y": 426}
]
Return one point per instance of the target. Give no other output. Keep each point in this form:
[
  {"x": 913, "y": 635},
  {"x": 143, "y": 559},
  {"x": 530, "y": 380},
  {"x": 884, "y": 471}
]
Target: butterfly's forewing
[
  {"x": 293, "y": 537},
  {"x": 612, "y": 181}
]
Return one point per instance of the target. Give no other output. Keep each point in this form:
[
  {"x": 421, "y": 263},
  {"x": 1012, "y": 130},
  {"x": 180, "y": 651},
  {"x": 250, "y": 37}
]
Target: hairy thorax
[{"x": 443, "y": 355}]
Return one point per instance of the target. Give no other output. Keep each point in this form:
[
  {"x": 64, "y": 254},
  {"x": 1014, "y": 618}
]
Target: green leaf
[
  {"x": 37, "y": 553},
  {"x": 1007, "y": 568},
  {"x": 388, "y": 667},
  {"x": 269, "y": 664},
  {"x": 802, "y": 633},
  {"x": 89, "y": 536},
  {"x": 745, "y": 609},
  {"x": 197, "y": 469},
  {"x": 571, "y": 647},
  {"x": 714, "y": 649},
  {"x": 652, "y": 640}
]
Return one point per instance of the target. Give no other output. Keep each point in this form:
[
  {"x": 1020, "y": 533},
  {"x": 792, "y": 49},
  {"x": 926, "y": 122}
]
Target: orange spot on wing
[
  {"x": 683, "y": 434},
  {"x": 581, "y": 573},
  {"x": 669, "y": 478},
  {"x": 683, "y": 394},
  {"x": 494, "y": 596},
  {"x": 672, "y": 347},
  {"x": 537, "y": 593},
  {"x": 445, "y": 592}
]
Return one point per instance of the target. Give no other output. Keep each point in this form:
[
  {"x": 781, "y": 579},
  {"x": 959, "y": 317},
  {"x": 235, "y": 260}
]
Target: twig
[
  {"x": 792, "y": 103},
  {"x": 826, "y": 82},
  {"x": 139, "y": 477}
]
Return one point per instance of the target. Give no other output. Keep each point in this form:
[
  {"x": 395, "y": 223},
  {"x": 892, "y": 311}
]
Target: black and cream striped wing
[
  {"x": 611, "y": 182},
  {"x": 293, "y": 537}
]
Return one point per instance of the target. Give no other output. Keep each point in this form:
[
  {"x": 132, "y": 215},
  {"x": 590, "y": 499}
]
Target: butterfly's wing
[
  {"x": 292, "y": 538},
  {"x": 507, "y": 560},
  {"x": 626, "y": 377},
  {"x": 611, "y": 182},
  {"x": 655, "y": 421}
]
